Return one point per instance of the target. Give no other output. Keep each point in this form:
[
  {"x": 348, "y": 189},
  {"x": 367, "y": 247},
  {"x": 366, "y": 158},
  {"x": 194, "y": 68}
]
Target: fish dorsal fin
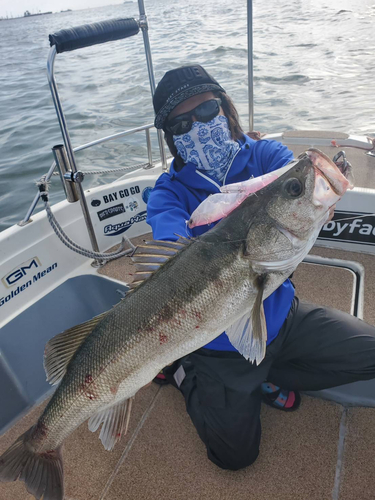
[
  {"x": 158, "y": 248},
  {"x": 183, "y": 240},
  {"x": 140, "y": 276},
  {"x": 147, "y": 266},
  {"x": 150, "y": 256},
  {"x": 60, "y": 349},
  {"x": 115, "y": 422},
  {"x": 249, "y": 334},
  {"x": 139, "y": 258},
  {"x": 176, "y": 245}
]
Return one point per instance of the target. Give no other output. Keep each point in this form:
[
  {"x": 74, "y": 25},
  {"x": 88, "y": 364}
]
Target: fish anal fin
[
  {"x": 61, "y": 348},
  {"x": 115, "y": 422},
  {"x": 249, "y": 333}
]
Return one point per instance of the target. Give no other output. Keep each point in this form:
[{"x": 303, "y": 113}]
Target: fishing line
[{"x": 188, "y": 230}]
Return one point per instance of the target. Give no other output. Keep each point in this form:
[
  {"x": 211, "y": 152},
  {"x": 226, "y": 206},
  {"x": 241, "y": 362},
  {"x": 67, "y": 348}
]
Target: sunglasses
[{"x": 204, "y": 113}]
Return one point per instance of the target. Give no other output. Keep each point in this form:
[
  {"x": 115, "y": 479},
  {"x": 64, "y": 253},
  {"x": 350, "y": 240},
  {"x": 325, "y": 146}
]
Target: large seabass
[{"x": 192, "y": 291}]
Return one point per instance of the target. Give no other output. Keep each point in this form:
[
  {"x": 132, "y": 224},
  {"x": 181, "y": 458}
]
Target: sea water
[{"x": 313, "y": 69}]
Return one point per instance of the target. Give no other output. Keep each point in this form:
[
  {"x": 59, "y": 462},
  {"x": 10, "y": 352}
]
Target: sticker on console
[
  {"x": 350, "y": 227},
  {"x": 121, "y": 227},
  {"x": 111, "y": 211}
]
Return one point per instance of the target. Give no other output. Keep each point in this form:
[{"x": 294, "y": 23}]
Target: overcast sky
[{"x": 17, "y": 7}]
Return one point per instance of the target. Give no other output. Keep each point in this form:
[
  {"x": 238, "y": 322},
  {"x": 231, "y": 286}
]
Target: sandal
[
  {"x": 281, "y": 399},
  {"x": 160, "y": 378}
]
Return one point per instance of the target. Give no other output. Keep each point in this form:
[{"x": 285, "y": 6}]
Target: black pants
[{"x": 316, "y": 348}]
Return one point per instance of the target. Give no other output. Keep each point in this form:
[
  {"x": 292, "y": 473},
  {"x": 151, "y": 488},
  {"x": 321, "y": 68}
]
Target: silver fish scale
[{"x": 166, "y": 317}]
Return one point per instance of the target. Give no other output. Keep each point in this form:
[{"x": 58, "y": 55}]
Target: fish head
[
  {"x": 305, "y": 194},
  {"x": 294, "y": 208}
]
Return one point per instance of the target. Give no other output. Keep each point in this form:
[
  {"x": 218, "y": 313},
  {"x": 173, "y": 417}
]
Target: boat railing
[
  {"x": 76, "y": 38},
  {"x": 52, "y": 170}
]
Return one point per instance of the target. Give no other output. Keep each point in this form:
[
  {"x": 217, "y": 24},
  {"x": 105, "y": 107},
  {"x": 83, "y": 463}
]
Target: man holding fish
[
  {"x": 308, "y": 347},
  {"x": 232, "y": 276}
]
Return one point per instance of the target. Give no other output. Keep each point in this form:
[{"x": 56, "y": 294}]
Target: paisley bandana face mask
[{"x": 209, "y": 146}]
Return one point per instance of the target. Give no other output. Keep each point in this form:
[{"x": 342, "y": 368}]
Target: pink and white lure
[{"x": 220, "y": 205}]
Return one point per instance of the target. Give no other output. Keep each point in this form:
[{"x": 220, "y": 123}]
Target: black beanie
[{"x": 179, "y": 84}]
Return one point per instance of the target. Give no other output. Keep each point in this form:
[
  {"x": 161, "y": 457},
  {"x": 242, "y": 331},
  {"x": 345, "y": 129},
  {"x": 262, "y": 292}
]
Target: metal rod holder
[{"x": 62, "y": 162}]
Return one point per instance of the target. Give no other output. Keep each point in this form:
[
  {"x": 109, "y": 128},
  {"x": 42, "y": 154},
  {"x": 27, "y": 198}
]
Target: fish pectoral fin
[
  {"x": 61, "y": 348},
  {"x": 249, "y": 334},
  {"x": 115, "y": 422}
]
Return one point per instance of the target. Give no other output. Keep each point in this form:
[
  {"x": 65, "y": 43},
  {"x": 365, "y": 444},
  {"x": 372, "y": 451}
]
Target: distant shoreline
[{"x": 24, "y": 17}]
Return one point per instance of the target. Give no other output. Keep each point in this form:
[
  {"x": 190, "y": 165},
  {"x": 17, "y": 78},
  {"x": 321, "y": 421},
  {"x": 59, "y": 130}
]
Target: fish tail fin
[{"x": 42, "y": 472}]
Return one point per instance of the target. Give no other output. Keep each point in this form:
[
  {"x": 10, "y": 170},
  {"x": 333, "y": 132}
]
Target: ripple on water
[{"x": 285, "y": 80}]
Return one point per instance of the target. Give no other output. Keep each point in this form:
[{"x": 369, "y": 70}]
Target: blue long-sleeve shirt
[{"x": 178, "y": 193}]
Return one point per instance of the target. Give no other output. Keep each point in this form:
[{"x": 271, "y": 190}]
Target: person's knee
[{"x": 232, "y": 460}]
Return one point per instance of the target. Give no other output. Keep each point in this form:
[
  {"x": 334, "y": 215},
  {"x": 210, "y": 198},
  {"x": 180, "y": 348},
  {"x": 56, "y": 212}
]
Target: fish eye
[{"x": 293, "y": 187}]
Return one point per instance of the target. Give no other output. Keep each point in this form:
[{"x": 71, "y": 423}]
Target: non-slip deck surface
[{"x": 164, "y": 457}]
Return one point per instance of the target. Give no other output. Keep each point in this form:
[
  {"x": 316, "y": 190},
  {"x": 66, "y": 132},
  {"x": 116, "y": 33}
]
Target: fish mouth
[
  {"x": 339, "y": 180},
  {"x": 332, "y": 185}
]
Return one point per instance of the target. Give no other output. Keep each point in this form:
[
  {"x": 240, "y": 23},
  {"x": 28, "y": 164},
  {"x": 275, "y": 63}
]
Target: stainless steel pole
[
  {"x": 68, "y": 146},
  {"x": 250, "y": 63},
  {"x": 146, "y": 41}
]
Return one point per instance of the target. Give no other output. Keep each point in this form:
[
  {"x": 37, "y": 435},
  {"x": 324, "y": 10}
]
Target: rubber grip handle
[{"x": 93, "y": 34}]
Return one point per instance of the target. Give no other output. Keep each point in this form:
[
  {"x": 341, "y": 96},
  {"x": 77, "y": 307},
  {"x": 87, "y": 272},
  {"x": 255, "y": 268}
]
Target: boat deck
[
  {"x": 363, "y": 164},
  {"x": 324, "y": 451}
]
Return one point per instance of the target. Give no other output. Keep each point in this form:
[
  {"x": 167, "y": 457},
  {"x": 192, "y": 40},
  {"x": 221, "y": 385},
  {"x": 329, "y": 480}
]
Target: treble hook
[{"x": 340, "y": 154}]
